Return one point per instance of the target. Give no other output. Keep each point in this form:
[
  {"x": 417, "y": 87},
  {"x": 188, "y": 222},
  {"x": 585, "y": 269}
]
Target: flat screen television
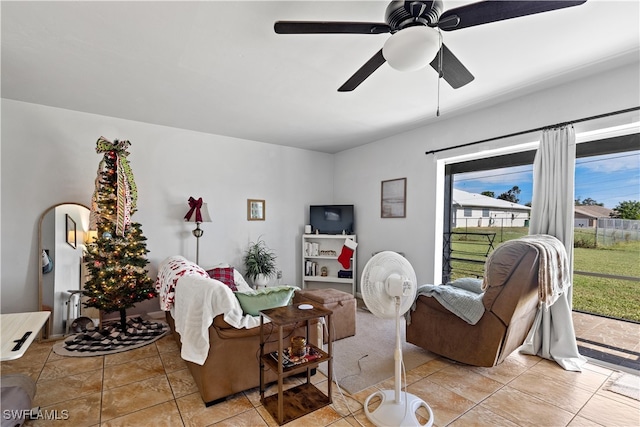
[{"x": 332, "y": 219}]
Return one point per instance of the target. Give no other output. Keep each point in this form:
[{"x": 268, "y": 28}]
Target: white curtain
[{"x": 552, "y": 335}]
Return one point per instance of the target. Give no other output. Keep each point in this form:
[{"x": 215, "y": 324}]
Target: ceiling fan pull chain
[
  {"x": 438, "y": 106},
  {"x": 439, "y": 71}
]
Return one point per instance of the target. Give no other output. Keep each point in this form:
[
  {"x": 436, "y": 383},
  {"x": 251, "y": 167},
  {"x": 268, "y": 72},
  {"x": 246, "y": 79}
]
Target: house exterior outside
[
  {"x": 587, "y": 216},
  {"x": 477, "y": 210}
]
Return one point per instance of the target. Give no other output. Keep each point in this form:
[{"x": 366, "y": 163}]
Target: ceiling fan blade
[
  {"x": 453, "y": 72},
  {"x": 322, "y": 27},
  {"x": 365, "y": 71},
  {"x": 491, "y": 11}
]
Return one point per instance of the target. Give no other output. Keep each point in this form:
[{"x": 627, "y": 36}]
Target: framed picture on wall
[
  {"x": 393, "y": 199},
  {"x": 255, "y": 210},
  {"x": 70, "y": 231}
]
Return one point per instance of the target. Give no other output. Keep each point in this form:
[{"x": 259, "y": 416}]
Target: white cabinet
[{"x": 320, "y": 266}]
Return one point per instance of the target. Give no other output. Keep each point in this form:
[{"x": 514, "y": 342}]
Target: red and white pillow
[
  {"x": 224, "y": 275},
  {"x": 175, "y": 267},
  {"x": 225, "y": 270}
]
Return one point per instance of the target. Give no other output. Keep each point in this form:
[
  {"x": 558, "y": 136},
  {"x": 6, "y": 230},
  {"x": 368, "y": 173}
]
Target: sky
[{"x": 608, "y": 179}]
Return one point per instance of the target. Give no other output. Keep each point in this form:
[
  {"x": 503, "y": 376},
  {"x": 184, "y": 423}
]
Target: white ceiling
[{"x": 218, "y": 67}]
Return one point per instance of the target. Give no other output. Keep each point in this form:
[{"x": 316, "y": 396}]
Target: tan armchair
[{"x": 510, "y": 301}]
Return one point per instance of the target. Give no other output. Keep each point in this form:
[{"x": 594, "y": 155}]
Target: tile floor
[
  {"x": 151, "y": 386},
  {"x": 611, "y": 340}
]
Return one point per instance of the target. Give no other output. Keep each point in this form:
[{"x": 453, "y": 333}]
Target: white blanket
[
  {"x": 169, "y": 271},
  {"x": 197, "y": 301},
  {"x": 553, "y": 266},
  {"x": 464, "y": 303}
]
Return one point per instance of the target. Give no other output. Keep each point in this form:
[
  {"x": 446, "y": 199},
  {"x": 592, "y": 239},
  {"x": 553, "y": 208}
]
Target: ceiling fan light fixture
[{"x": 411, "y": 48}]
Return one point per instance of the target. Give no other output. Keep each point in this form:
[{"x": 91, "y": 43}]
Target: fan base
[{"x": 390, "y": 413}]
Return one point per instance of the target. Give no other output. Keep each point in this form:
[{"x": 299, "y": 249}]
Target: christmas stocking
[{"x": 347, "y": 253}]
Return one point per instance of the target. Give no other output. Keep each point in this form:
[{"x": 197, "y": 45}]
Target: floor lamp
[{"x": 198, "y": 213}]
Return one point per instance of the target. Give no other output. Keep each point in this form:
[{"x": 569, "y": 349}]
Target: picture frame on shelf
[
  {"x": 256, "y": 210},
  {"x": 393, "y": 198}
]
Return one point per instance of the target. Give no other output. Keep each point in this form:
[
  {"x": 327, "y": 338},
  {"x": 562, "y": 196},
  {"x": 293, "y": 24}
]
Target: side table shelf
[
  {"x": 287, "y": 405},
  {"x": 272, "y": 361}
]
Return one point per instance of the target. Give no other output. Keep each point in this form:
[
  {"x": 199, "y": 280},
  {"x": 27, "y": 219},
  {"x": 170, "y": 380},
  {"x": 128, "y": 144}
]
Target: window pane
[
  {"x": 606, "y": 245},
  {"x": 603, "y": 245},
  {"x": 486, "y": 208}
]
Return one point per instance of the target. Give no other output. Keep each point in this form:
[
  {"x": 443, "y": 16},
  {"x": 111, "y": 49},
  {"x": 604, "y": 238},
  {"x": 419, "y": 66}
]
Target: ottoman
[{"x": 341, "y": 303}]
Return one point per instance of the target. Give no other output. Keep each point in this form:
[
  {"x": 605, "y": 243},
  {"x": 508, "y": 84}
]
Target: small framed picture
[
  {"x": 255, "y": 210},
  {"x": 393, "y": 200},
  {"x": 70, "y": 231}
]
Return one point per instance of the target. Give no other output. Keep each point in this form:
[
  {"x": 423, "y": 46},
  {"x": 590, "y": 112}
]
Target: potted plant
[{"x": 259, "y": 262}]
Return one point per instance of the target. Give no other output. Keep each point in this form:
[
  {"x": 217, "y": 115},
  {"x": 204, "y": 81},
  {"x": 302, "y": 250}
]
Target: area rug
[
  {"x": 111, "y": 339},
  {"x": 626, "y": 385},
  {"x": 367, "y": 358}
]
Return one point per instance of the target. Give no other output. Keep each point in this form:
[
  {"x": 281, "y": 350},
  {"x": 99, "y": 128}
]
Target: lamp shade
[
  {"x": 205, "y": 213},
  {"x": 411, "y": 48},
  {"x": 202, "y": 210},
  {"x": 90, "y": 236}
]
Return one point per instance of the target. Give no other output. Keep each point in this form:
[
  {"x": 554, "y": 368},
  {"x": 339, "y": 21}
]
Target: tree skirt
[{"x": 111, "y": 339}]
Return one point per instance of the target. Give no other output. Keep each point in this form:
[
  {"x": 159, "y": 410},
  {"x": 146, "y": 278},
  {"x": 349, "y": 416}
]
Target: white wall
[
  {"x": 359, "y": 171},
  {"x": 48, "y": 157},
  {"x": 66, "y": 267}
]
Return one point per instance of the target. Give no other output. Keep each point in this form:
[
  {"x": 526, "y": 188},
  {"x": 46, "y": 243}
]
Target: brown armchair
[{"x": 510, "y": 301}]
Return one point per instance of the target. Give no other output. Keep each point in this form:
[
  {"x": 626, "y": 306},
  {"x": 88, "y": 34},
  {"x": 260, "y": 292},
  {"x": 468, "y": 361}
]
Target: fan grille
[{"x": 374, "y": 284}]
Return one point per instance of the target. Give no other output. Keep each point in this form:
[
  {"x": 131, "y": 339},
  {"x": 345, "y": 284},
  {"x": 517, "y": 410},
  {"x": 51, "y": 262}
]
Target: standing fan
[{"x": 388, "y": 288}]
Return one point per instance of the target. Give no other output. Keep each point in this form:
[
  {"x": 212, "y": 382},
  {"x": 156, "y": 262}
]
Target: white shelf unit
[{"x": 326, "y": 243}]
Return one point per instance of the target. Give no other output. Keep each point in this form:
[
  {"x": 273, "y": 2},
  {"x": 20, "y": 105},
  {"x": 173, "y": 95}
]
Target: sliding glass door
[{"x": 489, "y": 200}]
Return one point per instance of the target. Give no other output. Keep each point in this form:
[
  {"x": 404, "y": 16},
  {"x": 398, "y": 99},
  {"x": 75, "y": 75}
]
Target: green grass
[{"x": 609, "y": 297}]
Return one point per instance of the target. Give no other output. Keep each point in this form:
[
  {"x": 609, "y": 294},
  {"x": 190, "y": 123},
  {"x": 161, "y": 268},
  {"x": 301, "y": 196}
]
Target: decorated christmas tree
[{"x": 116, "y": 259}]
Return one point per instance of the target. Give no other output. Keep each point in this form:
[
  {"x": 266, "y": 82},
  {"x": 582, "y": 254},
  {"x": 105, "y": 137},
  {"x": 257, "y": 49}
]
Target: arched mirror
[{"x": 63, "y": 232}]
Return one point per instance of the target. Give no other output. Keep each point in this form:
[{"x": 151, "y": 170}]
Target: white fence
[
  {"x": 613, "y": 230},
  {"x": 608, "y": 231},
  {"x": 477, "y": 222}
]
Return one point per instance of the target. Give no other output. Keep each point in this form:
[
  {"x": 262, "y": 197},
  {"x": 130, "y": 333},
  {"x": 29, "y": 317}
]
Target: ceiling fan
[{"x": 415, "y": 39}]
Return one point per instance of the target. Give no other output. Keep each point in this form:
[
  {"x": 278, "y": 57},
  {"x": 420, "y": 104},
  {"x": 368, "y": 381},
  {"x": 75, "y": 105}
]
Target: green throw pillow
[{"x": 253, "y": 302}]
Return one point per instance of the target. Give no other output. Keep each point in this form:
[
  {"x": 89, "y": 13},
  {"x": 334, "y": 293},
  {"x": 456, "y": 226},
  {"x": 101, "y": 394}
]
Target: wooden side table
[{"x": 287, "y": 405}]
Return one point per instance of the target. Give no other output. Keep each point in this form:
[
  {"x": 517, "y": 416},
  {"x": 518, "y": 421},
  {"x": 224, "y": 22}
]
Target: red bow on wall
[{"x": 194, "y": 205}]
